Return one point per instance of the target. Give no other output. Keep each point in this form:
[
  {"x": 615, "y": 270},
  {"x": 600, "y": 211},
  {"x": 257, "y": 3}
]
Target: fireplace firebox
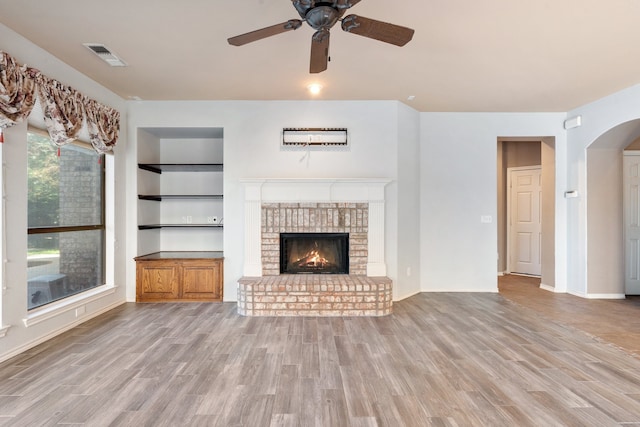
[{"x": 314, "y": 253}]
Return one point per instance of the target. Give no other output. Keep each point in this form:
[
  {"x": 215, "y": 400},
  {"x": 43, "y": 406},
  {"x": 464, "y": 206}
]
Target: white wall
[
  {"x": 408, "y": 208},
  {"x": 252, "y": 133},
  {"x": 14, "y": 296},
  {"x": 458, "y": 159},
  {"x": 604, "y": 126}
]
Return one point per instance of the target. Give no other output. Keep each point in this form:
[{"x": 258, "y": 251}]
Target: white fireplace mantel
[{"x": 338, "y": 190}]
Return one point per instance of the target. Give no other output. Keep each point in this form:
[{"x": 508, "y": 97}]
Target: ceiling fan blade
[
  {"x": 319, "y": 51},
  {"x": 378, "y": 30},
  {"x": 292, "y": 24},
  {"x": 345, "y": 4}
]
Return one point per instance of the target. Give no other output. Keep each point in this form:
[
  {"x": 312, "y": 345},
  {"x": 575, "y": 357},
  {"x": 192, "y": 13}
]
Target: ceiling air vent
[{"x": 105, "y": 54}]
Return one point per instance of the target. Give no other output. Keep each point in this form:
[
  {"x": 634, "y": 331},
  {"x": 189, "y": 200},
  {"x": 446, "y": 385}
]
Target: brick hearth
[{"x": 314, "y": 295}]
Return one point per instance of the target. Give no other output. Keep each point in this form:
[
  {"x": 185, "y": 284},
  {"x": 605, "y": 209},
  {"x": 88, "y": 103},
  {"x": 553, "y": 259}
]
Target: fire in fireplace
[{"x": 314, "y": 253}]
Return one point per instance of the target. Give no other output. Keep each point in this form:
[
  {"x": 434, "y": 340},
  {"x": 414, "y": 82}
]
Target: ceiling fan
[{"x": 321, "y": 16}]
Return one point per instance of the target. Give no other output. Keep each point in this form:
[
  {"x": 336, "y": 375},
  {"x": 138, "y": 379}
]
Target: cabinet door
[
  {"x": 158, "y": 281},
  {"x": 202, "y": 280}
]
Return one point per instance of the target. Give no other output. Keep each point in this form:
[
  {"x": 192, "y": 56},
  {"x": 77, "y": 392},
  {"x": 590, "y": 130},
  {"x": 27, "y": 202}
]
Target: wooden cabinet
[{"x": 179, "y": 276}]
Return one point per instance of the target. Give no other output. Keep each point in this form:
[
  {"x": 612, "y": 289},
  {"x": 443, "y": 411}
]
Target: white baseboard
[
  {"x": 598, "y": 296},
  {"x": 526, "y": 275},
  {"x": 547, "y": 287},
  {"x": 52, "y": 334},
  {"x": 492, "y": 290},
  {"x": 401, "y": 297},
  {"x": 605, "y": 296}
]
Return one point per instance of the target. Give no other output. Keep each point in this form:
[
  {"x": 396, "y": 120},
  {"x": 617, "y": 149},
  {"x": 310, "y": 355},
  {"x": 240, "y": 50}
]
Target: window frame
[{"x": 64, "y": 229}]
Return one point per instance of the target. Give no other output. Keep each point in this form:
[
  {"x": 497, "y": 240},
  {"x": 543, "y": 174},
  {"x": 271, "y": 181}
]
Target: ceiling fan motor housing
[{"x": 321, "y": 17}]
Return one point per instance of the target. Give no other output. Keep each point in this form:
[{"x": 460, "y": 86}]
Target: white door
[
  {"x": 631, "y": 201},
  {"x": 525, "y": 231}
]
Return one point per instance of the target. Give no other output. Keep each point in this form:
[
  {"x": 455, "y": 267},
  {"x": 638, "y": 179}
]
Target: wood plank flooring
[
  {"x": 442, "y": 359},
  {"x": 613, "y": 321}
]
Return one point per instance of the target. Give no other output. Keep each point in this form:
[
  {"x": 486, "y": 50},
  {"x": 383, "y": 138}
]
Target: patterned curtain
[
  {"x": 17, "y": 91},
  {"x": 103, "y": 123},
  {"x": 64, "y": 108}
]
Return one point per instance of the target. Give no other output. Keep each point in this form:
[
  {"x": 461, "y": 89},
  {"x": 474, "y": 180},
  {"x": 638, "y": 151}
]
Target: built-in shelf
[
  {"x": 154, "y": 226},
  {"x": 181, "y": 167},
  {"x": 180, "y": 187},
  {"x": 160, "y": 197}
]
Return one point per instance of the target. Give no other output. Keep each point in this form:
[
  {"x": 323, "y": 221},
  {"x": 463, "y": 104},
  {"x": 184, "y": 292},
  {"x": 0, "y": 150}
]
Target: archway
[{"x": 604, "y": 201}]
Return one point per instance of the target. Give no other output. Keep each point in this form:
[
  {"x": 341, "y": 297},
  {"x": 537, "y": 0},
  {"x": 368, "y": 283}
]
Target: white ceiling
[{"x": 490, "y": 55}]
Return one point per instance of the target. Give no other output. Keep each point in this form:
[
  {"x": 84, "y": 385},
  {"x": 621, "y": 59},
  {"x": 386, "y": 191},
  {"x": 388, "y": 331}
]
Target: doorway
[{"x": 528, "y": 152}]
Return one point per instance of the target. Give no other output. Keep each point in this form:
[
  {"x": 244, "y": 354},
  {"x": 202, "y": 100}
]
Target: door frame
[
  {"x": 508, "y": 217},
  {"x": 625, "y": 216}
]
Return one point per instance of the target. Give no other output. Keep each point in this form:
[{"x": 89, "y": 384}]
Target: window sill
[{"x": 54, "y": 309}]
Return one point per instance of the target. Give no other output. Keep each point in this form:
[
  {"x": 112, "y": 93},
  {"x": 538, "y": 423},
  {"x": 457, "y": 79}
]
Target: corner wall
[
  {"x": 408, "y": 241},
  {"x": 458, "y": 192}
]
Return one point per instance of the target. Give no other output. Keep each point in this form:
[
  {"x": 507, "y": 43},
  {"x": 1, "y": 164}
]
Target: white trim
[
  {"x": 3, "y": 239},
  {"x": 53, "y": 334},
  {"x": 598, "y": 296},
  {"x": 605, "y": 296},
  {"x": 577, "y": 294},
  {"x": 52, "y": 310},
  {"x": 547, "y": 288},
  {"x": 300, "y": 190},
  {"x": 463, "y": 290},
  {"x": 409, "y": 295},
  {"x": 110, "y": 243},
  {"x": 631, "y": 152}
]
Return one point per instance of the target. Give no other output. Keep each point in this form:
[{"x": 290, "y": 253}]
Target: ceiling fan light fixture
[{"x": 314, "y": 88}]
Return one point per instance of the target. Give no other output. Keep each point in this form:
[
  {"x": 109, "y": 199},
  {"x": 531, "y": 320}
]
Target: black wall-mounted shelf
[
  {"x": 160, "y": 197},
  {"x": 155, "y": 226},
  {"x": 181, "y": 167}
]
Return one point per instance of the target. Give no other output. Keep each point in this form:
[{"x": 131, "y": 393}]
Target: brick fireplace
[
  {"x": 350, "y": 206},
  {"x": 350, "y": 218}
]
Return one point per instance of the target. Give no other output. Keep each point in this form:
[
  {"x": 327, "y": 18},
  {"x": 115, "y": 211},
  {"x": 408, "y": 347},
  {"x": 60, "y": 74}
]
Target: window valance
[{"x": 65, "y": 109}]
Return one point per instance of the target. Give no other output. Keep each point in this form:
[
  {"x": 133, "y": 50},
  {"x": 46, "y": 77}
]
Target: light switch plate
[{"x": 486, "y": 219}]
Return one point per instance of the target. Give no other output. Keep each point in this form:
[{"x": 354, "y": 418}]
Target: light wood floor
[
  {"x": 518, "y": 358},
  {"x": 613, "y": 321}
]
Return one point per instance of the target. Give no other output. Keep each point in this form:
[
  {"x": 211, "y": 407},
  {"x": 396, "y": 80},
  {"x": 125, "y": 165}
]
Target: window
[{"x": 66, "y": 231}]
